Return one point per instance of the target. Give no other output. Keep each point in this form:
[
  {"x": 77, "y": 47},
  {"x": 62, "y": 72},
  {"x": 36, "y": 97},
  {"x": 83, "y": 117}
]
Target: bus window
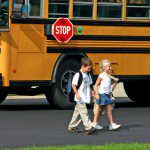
[
  {"x": 27, "y": 8},
  {"x": 83, "y": 9},
  {"x": 35, "y": 8},
  {"x": 3, "y": 14},
  {"x": 17, "y": 9},
  {"x": 138, "y": 9},
  {"x": 58, "y": 8},
  {"x": 109, "y": 9}
]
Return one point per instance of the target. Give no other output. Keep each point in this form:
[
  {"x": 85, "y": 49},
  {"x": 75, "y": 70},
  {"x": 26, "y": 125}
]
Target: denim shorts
[{"x": 104, "y": 100}]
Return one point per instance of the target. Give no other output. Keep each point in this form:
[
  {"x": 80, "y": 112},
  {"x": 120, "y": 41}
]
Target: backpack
[{"x": 71, "y": 93}]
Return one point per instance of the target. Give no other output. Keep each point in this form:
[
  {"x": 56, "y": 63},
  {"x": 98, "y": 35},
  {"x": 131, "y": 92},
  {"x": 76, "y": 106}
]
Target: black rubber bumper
[{"x": 1, "y": 80}]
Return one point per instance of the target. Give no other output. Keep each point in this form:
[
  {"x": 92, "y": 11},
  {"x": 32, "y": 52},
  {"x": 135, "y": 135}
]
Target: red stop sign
[{"x": 62, "y": 30}]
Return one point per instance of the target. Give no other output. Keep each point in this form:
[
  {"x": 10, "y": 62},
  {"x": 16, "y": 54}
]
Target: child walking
[
  {"x": 102, "y": 94},
  {"x": 82, "y": 97},
  {"x": 114, "y": 82}
]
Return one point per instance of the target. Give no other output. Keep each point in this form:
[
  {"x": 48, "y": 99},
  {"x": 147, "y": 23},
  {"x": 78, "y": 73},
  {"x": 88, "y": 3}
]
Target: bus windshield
[{"x": 4, "y": 14}]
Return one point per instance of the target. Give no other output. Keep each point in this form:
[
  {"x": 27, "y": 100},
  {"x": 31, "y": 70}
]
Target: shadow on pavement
[
  {"x": 127, "y": 127},
  {"x": 27, "y": 107},
  {"x": 122, "y": 103},
  {"x": 36, "y": 104}
]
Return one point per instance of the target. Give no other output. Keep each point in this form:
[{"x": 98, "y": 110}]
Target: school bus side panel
[
  {"x": 5, "y": 59},
  {"x": 30, "y": 60},
  {"x": 124, "y": 64}
]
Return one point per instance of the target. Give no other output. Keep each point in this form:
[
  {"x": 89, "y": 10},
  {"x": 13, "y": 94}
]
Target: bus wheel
[
  {"x": 49, "y": 95},
  {"x": 3, "y": 94},
  {"x": 66, "y": 70},
  {"x": 137, "y": 91}
]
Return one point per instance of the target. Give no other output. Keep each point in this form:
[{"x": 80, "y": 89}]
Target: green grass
[{"x": 121, "y": 146}]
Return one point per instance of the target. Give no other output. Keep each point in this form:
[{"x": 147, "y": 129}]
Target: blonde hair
[{"x": 103, "y": 64}]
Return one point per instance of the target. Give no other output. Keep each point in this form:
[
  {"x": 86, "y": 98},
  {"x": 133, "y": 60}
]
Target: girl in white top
[{"x": 102, "y": 94}]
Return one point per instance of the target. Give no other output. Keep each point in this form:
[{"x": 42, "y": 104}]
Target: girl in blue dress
[{"x": 102, "y": 94}]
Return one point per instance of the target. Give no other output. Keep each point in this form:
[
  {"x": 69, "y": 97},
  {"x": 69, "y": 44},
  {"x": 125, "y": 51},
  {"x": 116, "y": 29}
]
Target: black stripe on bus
[
  {"x": 106, "y": 38},
  {"x": 83, "y": 22},
  {"x": 97, "y": 50},
  {"x": 110, "y": 23},
  {"x": 16, "y": 83},
  {"x": 133, "y": 77},
  {"x": 123, "y": 78}
]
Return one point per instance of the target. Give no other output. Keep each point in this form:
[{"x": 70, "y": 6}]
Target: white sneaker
[
  {"x": 96, "y": 126},
  {"x": 114, "y": 126}
]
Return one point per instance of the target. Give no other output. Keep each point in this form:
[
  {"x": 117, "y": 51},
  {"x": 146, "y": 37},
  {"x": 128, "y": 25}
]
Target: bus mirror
[{"x": 47, "y": 29}]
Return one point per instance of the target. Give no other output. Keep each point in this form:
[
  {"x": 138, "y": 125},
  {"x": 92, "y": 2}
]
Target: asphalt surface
[{"x": 31, "y": 122}]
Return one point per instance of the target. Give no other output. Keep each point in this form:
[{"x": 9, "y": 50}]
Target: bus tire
[
  {"x": 65, "y": 71},
  {"x": 3, "y": 94},
  {"x": 137, "y": 91},
  {"x": 49, "y": 95}
]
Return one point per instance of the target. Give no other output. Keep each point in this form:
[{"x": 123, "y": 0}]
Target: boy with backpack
[{"x": 82, "y": 97}]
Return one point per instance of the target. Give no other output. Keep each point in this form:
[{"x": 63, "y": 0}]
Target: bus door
[
  {"x": 4, "y": 15},
  {"x": 4, "y": 25},
  {"x": 4, "y": 48},
  {"x": 28, "y": 31}
]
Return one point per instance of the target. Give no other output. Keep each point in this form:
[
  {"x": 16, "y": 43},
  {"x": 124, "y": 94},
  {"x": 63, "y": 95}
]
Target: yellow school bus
[{"x": 118, "y": 30}]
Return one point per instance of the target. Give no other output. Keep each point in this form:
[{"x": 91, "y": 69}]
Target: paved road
[{"x": 34, "y": 122}]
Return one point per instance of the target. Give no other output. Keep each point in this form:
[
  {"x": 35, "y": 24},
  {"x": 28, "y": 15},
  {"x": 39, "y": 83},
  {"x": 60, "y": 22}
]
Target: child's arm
[
  {"x": 114, "y": 86},
  {"x": 98, "y": 81},
  {"x": 114, "y": 82},
  {"x": 76, "y": 91},
  {"x": 91, "y": 90},
  {"x": 75, "y": 81},
  {"x": 113, "y": 79},
  {"x": 91, "y": 85}
]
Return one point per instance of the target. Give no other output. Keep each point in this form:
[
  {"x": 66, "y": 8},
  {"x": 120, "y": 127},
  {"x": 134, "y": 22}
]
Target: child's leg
[
  {"x": 75, "y": 121},
  {"x": 85, "y": 116},
  {"x": 109, "y": 114},
  {"x": 104, "y": 110},
  {"x": 94, "y": 107},
  {"x": 112, "y": 126},
  {"x": 96, "y": 114}
]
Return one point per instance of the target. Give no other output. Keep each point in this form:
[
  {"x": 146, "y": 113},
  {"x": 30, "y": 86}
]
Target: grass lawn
[{"x": 120, "y": 146}]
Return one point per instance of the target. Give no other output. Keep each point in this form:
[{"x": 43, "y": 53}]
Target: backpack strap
[{"x": 80, "y": 80}]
